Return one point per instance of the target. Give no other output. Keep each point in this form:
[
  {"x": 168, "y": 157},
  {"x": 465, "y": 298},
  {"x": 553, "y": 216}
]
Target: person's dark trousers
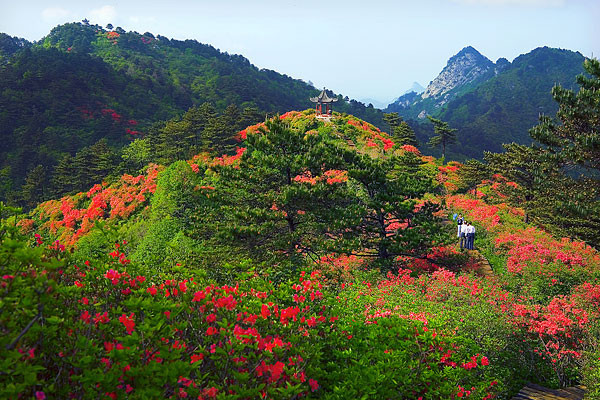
[
  {"x": 469, "y": 241},
  {"x": 472, "y": 241},
  {"x": 463, "y": 241}
]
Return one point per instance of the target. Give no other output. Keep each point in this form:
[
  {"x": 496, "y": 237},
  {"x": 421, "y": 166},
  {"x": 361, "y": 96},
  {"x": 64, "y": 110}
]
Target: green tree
[
  {"x": 138, "y": 154},
  {"x": 403, "y": 134},
  {"x": 275, "y": 204},
  {"x": 472, "y": 173},
  {"x": 390, "y": 225},
  {"x": 34, "y": 190},
  {"x": 573, "y": 140},
  {"x": 392, "y": 119},
  {"x": 443, "y": 134},
  {"x": 574, "y": 136},
  {"x": 534, "y": 173},
  {"x": 63, "y": 178}
]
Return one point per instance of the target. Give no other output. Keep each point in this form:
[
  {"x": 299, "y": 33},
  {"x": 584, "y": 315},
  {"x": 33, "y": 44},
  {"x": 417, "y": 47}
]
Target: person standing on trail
[
  {"x": 460, "y": 221},
  {"x": 472, "y": 237},
  {"x": 462, "y": 233}
]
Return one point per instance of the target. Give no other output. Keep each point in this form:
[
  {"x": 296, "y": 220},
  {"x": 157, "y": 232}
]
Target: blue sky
[{"x": 364, "y": 49}]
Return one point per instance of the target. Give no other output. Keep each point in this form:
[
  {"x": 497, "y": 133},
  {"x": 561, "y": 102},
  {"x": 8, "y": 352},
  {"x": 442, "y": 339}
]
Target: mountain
[
  {"x": 504, "y": 108},
  {"x": 463, "y": 71},
  {"x": 490, "y": 103},
  {"x": 375, "y": 103},
  {"x": 415, "y": 87},
  {"x": 82, "y": 83}
]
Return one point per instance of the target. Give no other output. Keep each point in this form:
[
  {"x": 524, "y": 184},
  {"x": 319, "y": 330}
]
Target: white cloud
[
  {"x": 535, "y": 3},
  {"x": 103, "y": 15},
  {"x": 55, "y": 13}
]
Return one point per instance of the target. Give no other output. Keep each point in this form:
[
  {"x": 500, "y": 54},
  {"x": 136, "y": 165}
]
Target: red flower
[
  {"x": 196, "y": 358},
  {"x": 485, "y": 361},
  {"x": 198, "y": 296},
  {"x": 264, "y": 311},
  {"x": 128, "y": 322},
  {"x": 211, "y": 331},
  {"x": 314, "y": 385}
]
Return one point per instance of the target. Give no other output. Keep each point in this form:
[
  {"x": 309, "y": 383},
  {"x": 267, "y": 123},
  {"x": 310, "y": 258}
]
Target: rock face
[
  {"x": 463, "y": 71},
  {"x": 465, "y": 67}
]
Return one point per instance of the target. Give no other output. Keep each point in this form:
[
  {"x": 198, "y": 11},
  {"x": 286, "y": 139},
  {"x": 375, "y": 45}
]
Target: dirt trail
[{"x": 536, "y": 392}]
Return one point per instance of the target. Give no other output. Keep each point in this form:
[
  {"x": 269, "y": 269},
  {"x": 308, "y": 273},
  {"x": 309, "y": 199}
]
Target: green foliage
[
  {"x": 501, "y": 107},
  {"x": 392, "y": 119},
  {"x": 81, "y": 84},
  {"x": 473, "y": 172},
  {"x": 558, "y": 184},
  {"x": 443, "y": 134},
  {"x": 403, "y": 134}
]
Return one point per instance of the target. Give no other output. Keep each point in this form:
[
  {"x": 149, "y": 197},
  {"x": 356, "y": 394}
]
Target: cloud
[
  {"x": 527, "y": 3},
  {"x": 54, "y": 13},
  {"x": 103, "y": 15}
]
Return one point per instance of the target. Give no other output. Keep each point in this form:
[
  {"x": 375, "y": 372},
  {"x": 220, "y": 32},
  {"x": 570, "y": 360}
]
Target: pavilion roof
[{"x": 323, "y": 98}]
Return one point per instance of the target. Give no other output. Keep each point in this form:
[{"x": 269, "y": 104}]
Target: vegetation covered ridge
[
  {"x": 85, "y": 89},
  {"x": 310, "y": 262}
]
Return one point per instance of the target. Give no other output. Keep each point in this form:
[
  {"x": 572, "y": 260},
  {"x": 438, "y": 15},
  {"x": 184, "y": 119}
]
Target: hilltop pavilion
[{"x": 323, "y": 99}]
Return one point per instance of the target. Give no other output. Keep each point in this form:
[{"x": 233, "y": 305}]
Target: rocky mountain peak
[{"x": 463, "y": 68}]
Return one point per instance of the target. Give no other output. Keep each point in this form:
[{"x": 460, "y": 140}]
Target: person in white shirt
[
  {"x": 462, "y": 231},
  {"x": 470, "y": 237}
]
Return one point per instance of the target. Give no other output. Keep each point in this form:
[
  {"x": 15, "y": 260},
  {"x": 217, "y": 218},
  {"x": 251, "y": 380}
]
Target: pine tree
[
  {"x": 573, "y": 140},
  {"x": 296, "y": 195},
  {"x": 574, "y": 136},
  {"x": 392, "y": 119},
  {"x": 34, "y": 190},
  {"x": 389, "y": 226},
  {"x": 403, "y": 134},
  {"x": 534, "y": 173},
  {"x": 472, "y": 173},
  {"x": 443, "y": 134},
  {"x": 63, "y": 181}
]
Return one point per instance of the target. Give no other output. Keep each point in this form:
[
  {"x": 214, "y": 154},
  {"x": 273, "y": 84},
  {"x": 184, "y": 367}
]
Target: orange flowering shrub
[{"x": 70, "y": 218}]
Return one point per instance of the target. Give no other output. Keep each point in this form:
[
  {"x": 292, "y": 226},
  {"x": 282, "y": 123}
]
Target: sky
[{"x": 369, "y": 49}]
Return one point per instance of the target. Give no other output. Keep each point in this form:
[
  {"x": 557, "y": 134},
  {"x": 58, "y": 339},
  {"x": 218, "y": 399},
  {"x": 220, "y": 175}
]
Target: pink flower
[{"x": 39, "y": 395}]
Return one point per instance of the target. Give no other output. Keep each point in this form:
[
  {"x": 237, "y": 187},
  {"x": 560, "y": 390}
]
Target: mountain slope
[
  {"x": 462, "y": 72},
  {"x": 504, "y": 108},
  {"x": 489, "y": 103},
  {"x": 81, "y": 84}
]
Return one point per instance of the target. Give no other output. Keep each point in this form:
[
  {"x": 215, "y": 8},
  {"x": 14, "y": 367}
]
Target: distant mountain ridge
[
  {"x": 490, "y": 103},
  {"x": 415, "y": 87},
  {"x": 463, "y": 70}
]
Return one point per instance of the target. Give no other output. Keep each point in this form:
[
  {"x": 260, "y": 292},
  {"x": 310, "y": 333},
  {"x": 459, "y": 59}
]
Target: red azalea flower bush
[
  {"x": 107, "y": 330},
  {"x": 72, "y": 217},
  {"x": 554, "y": 282}
]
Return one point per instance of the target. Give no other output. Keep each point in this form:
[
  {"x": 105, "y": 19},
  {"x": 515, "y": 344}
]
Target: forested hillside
[
  {"x": 82, "y": 84},
  {"x": 313, "y": 262},
  {"x": 498, "y": 107},
  {"x": 504, "y": 108}
]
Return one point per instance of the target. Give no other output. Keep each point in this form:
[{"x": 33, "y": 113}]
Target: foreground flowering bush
[
  {"x": 102, "y": 330},
  {"x": 108, "y": 329}
]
